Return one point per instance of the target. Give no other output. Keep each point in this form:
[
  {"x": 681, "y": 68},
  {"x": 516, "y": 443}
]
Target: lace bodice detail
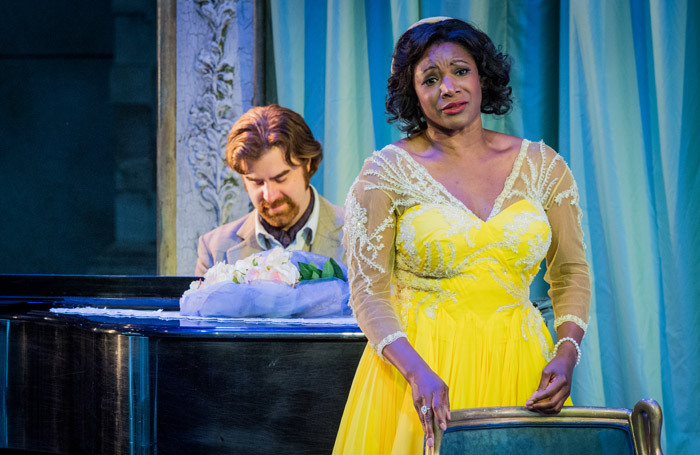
[{"x": 406, "y": 235}]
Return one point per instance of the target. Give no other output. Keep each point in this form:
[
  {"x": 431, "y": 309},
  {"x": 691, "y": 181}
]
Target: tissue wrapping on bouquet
[
  {"x": 326, "y": 297},
  {"x": 261, "y": 288}
]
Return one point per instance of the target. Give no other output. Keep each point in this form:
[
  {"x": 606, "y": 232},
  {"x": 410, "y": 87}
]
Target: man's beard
[{"x": 280, "y": 218}]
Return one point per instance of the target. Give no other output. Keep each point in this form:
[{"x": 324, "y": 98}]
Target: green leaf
[
  {"x": 304, "y": 271},
  {"x": 328, "y": 271},
  {"x": 337, "y": 271},
  {"x": 308, "y": 271}
]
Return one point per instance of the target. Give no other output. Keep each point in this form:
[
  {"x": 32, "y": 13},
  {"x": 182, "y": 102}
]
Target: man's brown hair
[{"x": 264, "y": 127}]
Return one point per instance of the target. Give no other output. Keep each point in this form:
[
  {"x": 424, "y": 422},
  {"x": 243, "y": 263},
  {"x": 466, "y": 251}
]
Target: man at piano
[{"x": 276, "y": 154}]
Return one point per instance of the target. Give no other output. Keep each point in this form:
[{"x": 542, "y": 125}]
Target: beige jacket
[{"x": 236, "y": 240}]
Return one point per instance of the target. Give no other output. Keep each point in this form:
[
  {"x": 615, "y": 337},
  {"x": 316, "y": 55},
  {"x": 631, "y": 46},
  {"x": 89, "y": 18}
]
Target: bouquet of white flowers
[{"x": 273, "y": 283}]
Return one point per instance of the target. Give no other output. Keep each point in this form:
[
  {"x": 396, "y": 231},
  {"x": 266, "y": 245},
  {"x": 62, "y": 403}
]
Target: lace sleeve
[
  {"x": 567, "y": 269},
  {"x": 370, "y": 224}
]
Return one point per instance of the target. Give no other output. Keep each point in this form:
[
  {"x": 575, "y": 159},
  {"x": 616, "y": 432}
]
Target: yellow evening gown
[{"x": 459, "y": 290}]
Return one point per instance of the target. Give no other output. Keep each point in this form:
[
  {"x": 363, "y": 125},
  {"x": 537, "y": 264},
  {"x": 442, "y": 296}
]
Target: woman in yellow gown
[{"x": 445, "y": 231}]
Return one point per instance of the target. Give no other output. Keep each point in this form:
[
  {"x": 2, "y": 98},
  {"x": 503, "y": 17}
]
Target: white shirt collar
[{"x": 305, "y": 236}]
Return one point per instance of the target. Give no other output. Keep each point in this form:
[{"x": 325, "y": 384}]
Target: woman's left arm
[{"x": 569, "y": 279}]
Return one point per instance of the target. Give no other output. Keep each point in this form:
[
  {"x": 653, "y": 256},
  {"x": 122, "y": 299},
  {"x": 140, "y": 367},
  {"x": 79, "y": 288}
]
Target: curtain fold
[{"x": 614, "y": 87}]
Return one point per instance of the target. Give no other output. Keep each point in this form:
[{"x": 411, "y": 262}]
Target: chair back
[{"x": 574, "y": 431}]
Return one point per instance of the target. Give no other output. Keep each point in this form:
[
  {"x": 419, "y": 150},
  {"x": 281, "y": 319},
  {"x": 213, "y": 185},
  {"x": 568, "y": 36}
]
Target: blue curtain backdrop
[{"x": 613, "y": 85}]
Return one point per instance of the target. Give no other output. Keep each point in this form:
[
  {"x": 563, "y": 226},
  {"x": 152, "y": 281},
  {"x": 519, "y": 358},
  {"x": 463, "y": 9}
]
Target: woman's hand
[
  {"x": 427, "y": 388},
  {"x": 555, "y": 384},
  {"x": 430, "y": 394}
]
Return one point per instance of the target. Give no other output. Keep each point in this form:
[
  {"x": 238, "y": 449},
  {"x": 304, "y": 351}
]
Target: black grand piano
[{"x": 92, "y": 384}]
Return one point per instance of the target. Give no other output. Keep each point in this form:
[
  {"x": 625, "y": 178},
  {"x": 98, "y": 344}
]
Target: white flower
[
  {"x": 216, "y": 274},
  {"x": 274, "y": 265},
  {"x": 193, "y": 287},
  {"x": 277, "y": 256},
  {"x": 219, "y": 272},
  {"x": 286, "y": 273}
]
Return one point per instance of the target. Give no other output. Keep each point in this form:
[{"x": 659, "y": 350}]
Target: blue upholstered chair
[{"x": 574, "y": 431}]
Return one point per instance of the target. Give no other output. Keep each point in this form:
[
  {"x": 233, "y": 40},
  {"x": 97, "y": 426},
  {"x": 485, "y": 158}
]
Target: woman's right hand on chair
[
  {"x": 431, "y": 400},
  {"x": 429, "y": 391}
]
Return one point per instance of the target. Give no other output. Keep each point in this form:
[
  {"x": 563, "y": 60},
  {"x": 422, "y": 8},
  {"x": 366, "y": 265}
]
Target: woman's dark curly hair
[{"x": 493, "y": 66}]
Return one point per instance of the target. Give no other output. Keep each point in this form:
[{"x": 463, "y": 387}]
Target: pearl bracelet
[{"x": 578, "y": 349}]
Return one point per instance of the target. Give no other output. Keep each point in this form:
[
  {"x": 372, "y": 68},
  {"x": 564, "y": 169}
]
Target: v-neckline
[{"x": 507, "y": 184}]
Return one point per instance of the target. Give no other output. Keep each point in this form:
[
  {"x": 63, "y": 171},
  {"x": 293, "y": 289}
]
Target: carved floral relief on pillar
[{"x": 214, "y": 87}]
